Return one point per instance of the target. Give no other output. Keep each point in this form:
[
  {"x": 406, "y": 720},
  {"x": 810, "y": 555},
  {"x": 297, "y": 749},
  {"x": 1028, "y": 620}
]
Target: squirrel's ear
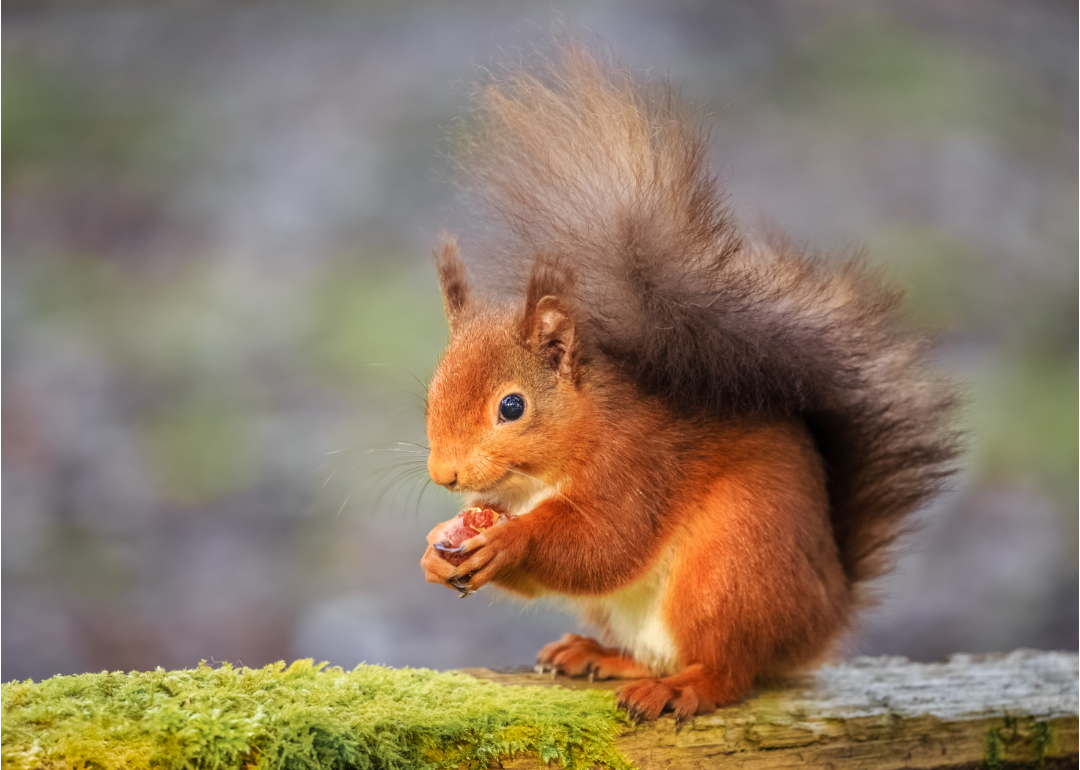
[
  {"x": 548, "y": 326},
  {"x": 455, "y": 290},
  {"x": 551, "y": 334}
]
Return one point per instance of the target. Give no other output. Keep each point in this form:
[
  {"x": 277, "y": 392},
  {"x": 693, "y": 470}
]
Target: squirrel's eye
[{"x": 512, "y": 407}]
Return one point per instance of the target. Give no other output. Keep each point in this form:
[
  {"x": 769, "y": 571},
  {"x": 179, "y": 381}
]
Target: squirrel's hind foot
[
  {"x": 686, "y": 694},
  {"x": 575, "y": 655}
]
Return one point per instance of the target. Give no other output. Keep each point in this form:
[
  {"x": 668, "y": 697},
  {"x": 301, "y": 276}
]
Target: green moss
[
  {"x": 1043, "y": 739},
  {"x": 995, "y": 750},
  {"x": 300, "y": 716}
]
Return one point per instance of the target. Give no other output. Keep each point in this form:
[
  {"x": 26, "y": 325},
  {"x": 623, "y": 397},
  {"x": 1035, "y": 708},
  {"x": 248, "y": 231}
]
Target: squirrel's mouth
[
  {"x": 491, "y": 488},
  {"x": 513, "y": 493}
]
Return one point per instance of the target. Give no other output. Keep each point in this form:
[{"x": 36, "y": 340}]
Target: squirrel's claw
[
  {"x": 438, "y": 570},
  {"x": 446, "y": 549},
  {"x": 462, "y": 585},
  {"x": 636, "y": 715}
]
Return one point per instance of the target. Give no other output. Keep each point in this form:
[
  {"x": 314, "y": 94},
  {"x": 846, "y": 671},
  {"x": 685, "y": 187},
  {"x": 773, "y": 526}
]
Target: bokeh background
[{"x": 219, "y": 307}]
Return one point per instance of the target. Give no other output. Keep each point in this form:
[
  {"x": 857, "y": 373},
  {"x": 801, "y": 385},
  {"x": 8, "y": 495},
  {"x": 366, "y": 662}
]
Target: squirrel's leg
[
  {"x": 756, "y": 585},
  {"x": 575, "y": 655}
]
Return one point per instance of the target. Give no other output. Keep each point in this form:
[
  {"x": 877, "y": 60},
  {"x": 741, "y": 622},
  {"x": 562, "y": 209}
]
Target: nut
[{"x": 467, "y": 524}]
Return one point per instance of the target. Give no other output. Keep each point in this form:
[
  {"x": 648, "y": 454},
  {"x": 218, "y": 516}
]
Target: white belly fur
[{"x": 632, "y": 619}]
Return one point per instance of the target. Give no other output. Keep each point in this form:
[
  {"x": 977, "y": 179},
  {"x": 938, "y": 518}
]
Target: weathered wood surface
[{"x": 1016, "y": 710}]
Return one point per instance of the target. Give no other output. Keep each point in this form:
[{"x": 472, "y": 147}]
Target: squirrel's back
[{"x": 602, "y": 182}]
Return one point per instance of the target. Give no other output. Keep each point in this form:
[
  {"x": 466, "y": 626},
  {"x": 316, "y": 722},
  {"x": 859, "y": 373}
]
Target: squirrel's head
[{"x": 504, "y": 400}]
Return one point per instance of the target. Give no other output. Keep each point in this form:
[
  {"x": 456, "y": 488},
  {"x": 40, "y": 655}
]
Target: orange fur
[{"x": 718, "y": 438}]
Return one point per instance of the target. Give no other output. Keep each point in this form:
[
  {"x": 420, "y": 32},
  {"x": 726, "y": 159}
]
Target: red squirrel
[{"x": 704, "y": 444}]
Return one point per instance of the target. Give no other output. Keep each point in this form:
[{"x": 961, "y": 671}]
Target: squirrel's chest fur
[{"x": 632, "y": 617}]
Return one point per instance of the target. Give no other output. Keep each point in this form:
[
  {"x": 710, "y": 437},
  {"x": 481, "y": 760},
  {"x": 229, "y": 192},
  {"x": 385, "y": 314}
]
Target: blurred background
[{"x": 219, "y": 306}]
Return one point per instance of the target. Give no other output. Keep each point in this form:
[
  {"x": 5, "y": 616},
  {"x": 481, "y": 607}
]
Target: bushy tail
[{"x": 581, "y": 165}]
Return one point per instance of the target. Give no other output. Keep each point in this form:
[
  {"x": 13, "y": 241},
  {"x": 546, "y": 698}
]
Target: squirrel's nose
[{"x": 442, "y": 473}]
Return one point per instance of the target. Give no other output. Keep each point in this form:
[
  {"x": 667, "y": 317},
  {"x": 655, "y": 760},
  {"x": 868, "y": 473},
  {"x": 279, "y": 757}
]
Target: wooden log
[{"x": 993, "y": 711}]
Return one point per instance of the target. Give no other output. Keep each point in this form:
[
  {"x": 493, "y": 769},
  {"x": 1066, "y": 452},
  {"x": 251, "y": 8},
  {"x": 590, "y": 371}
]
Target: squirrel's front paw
[
  {"x": 437, "y": 567},
  {"x": 488, "y": 553}
]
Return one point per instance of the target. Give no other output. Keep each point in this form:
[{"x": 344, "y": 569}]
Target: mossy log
[{"x": 993, "y": 711}]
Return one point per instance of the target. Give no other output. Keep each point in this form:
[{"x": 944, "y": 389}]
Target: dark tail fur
[{"x": 580, "y": 163}]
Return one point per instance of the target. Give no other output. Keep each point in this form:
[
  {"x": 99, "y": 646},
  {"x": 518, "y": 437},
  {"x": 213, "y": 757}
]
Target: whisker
[
  {"x": 395, "y": 449},
  {"x": 402, "y": 368},
  {"x": 411, "y": 443},
  {"x": 405, "y": 476},
  {"x": 518, "y": 483},
  {"x": 375, "y": 446},
  {"x": 344, "y": 503},
  {"x": 399, "y": 410},
  {"x": 407, "y": 464},
  {"x": 416, "y": 480},
  {"x": 361, "y": 482},
  {"x": 402, "y": 451},
  {"x": 400, "y": 390},
  {"x": 419, "y": 497},
  {"x": 406, "y": 469}
]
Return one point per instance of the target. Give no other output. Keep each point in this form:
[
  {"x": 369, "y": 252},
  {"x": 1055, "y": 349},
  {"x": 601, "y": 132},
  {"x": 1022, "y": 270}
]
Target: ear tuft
[{"x": 455, "y": 290}]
